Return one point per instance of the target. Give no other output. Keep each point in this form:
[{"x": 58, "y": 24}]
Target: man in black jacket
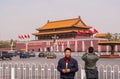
[{"x": 67, "y": 66}]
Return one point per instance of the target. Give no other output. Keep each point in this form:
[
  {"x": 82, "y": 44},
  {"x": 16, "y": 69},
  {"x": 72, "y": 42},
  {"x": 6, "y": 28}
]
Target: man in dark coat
[{"x": 67, "y": 66}]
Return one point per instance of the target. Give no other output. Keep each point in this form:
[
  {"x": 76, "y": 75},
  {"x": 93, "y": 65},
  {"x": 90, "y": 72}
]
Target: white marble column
[
  {"x": 116, "y": 48},
  {"x": 51, "y": 48},
  {"x": 83, "y": 45},
  {"x": 76, "y": 46},
  {"x": 45, "y": 49},
  {"x": 62, "y": 47},
  {"x": 36, "y": 38},
  {"x": 91, "y": 43},
  {"x": 57, "y": 48},
  {"x": 68, "y": 44},
  {"x": 99, "y": 48},
  {"x": 107, "y": 48},
  {"x": 41, "y": 49}
]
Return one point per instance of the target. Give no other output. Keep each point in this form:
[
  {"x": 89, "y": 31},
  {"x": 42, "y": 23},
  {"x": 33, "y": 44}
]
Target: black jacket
[{"x": 72, "y": 65}]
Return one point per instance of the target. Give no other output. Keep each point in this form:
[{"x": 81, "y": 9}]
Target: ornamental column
[
  {"x": 99, "y": 48},
  {"x": 68, "y": 44},
  {"x": 91, "y": 43},
  {"x": 76, "y": 46},
  {"x": 83, "y": 45},
  {"x": 62, "y": 47}
]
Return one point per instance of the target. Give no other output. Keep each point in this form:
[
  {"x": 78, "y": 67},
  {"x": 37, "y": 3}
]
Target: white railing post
[
  {"x": 82, "y": 73},
  {"x": 49, "y": 71},
  {"x": 12, "y": 73}
]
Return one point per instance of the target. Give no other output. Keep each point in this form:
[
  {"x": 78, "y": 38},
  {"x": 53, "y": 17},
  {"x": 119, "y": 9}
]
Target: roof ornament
[
  {"x": 78, "y": 16},
  {"x": 48, "y": 21}
]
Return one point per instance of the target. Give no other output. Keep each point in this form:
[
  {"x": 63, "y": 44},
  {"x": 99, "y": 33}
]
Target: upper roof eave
[{"x": 62, "y": 24}]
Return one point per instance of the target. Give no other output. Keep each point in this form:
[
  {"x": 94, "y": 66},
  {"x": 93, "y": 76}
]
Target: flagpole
[
  {"x": 27, "y": 41},
  {"x": 27, "y": 37}
]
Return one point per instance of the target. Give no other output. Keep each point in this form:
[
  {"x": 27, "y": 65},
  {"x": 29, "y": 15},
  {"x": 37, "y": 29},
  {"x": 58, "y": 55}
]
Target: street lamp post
[
  {"x": 26, "y": 46},
  {"x": 55, "y": 37},
  {"x": 11, "y": 46}
]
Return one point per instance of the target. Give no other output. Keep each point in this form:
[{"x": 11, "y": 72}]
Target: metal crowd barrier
[
  {"x": 49, "y": 71},
  {"x": 74, "y": 54}
]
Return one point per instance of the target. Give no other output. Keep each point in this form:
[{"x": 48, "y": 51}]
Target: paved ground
[{"x": 36, "y": 59}]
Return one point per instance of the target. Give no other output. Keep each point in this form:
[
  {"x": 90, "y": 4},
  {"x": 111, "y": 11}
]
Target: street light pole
[
  {"x": 12, "y": 46},
  {"x": 26, "y": 46}
]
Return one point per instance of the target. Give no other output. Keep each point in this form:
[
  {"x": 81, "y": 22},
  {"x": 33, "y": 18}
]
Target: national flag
[
  {"x": 28, "y": 36},
  {"x": 90, "y": 31},
  {"x": 22, "y": 36},
  {"x": 19, "y": 36},
  {"x": 25, "y": 36},
  {"x": 83, "y": 32},
  {"x": 95, "y": 31},
  {"x": 79, "y": 32}
]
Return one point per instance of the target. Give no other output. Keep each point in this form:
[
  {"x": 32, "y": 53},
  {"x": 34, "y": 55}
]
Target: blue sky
[{"x": 19, "y": 17}]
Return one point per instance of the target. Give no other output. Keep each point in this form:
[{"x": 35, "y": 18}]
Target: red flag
[
  {"x": 25, "y": 36},
  {"x": 83, "y": 32},
  {"x": 28, "y": 36},
  {"x": 19, "y": 36},
  {"x": 90, "y": 31},
  {"x": 22, "y": 36},
  {"x": 79, "y": 32},
  {"x": 95, "y": 31}
]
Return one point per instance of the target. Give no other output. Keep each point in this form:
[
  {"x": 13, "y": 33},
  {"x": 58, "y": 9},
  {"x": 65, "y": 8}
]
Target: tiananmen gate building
[{"x": 73, "y": 33}]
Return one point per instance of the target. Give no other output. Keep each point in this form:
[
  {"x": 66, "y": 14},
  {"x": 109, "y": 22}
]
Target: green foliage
[
  {"x": 4, "y": 44},
  {"x": 7, "y": 44},
  {"x": 113, "y": 37},
  {"x": 109, "y": 36}
]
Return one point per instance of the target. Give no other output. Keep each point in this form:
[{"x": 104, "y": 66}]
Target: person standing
[
  {"x": 67, "y": 66},
  {"x": 90, "y": 59}
]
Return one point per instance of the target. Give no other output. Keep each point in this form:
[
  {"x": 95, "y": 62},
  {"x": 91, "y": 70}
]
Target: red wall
[{"x": 43, "y": 45}]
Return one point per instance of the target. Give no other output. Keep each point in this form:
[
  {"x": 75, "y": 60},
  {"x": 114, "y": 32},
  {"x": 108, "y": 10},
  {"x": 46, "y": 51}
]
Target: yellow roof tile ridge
[{"x": 63, "y": 20}]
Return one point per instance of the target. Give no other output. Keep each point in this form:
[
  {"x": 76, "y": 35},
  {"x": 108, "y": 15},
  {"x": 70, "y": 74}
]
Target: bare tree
[{"x": 109, "y": 36}]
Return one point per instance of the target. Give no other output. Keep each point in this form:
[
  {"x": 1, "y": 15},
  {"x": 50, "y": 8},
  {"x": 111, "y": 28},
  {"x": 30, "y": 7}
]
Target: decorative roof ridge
[
  {"x": 63, "y": 20},
  {"x": 79, "y": 21},
  {"x": 74, "y": 21}
]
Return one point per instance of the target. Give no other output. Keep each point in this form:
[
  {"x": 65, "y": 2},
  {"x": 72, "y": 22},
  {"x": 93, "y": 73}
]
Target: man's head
[
  {"x": 67, "y": 52},
  {"x": 90, "y": 49}
]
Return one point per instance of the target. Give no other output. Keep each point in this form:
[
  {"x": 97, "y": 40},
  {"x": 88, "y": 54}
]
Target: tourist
[
  {"x": 90, "y": 59},
  {"x": 67, "y": 66}
]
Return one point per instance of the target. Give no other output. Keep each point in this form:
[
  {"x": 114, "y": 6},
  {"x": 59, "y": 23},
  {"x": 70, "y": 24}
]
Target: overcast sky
[{"x": 19, "y": 17}]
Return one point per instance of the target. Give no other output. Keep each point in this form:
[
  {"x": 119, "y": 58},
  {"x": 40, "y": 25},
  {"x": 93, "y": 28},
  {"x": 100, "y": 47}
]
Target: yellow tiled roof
[
  {"x": 58, "y": 32},
  {"x": 101, "y": 35},
  {"x": 109, "y": 42},
  {"x": 54, "y": 32},
  {"x": 77, "y": 22}
]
